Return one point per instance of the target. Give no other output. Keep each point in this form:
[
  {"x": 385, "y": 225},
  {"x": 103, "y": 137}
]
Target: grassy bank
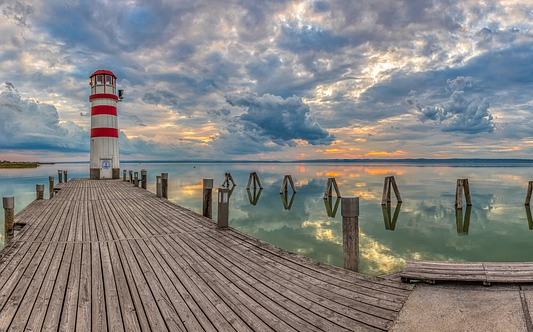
[{"x": 19, "y": 165}]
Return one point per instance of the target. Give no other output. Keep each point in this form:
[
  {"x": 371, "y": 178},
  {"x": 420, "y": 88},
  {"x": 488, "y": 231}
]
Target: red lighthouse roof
[{"x": 103, "y": 72}]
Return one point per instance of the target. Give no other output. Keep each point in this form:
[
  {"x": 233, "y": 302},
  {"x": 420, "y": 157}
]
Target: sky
[{"x": 270, "y": 79}]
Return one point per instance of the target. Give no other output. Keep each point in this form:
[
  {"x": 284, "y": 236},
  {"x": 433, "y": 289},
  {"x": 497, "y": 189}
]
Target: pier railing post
[
  {"x": 60, "y": 176},
  {"x": 65, "y": 176},
  {"x": 51, "y": 186},
  {"x": 143, "y": 178},
  {"x": 164, "y": 185},
  {"x": 130, "y": 180},
  {"x": 9, "y": 218},
  {"x": 136, "y": 179},
  {"x": 207, "y": 194},
  {"x": 39, "y": 188},
  {"x": 124, "y": 175},
  {"x": 223, "y": 207},
  {"x": 350, "y": 232},
  {"x": 158, "y": 187}
]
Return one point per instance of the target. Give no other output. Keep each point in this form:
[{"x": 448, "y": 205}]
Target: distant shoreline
[
  {"x": 11, "y": 164},
  {"x": 405, "y": 161}
]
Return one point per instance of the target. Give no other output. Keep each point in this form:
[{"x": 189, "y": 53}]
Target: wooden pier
[{"x": 107, "y": 256}]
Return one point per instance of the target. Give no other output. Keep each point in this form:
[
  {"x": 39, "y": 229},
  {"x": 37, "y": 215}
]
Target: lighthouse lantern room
[{"x": 104, "y": 126}]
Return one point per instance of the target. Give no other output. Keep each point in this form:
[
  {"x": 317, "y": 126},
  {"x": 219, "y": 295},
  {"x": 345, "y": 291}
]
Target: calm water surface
[{"x": 496, "y": 228}]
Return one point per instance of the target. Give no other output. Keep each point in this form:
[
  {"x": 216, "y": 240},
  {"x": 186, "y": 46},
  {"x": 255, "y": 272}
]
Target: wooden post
[
  {"x": 39, "y": 188},
  {"x": 136, "y": 179},
  {"x": 164, "y": 185},
  {"x": 130, "y": 180},
  {"x": 9, "y": 218},
  {"x": 207, "y": 193},
  {"x": 51, "y": 186},
  {"x": 60, "y": 176},
  {"x": 287, "y": 179},
  {"x": 529, "y": 191},
  {"x": 350, "y": 232},
  {"x": 143, "y": 178},
  {"x": 331, "y": 184},
  {"x": 65, "y": 176},
  {"x": 223, "y": 208},
  {"x": 255, "y": 178},
  {"x": 227, "y": 179},
  {"x": 124, "y": 175},
  {"x": 462, "y": 186},
  {"x": 388, "y": 183},
  {"x": 159, "y": 188}
]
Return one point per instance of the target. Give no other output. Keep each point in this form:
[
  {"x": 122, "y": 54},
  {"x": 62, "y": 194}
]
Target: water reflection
[
  {"x": 390, "y": 223},
  {"x": 529, "y": 218},
  {"x": 253, "y": 198},
  {"x": 331, "y": 210},
  {"x": 287, "y": 205},
  {"x": 463, "y": 224}
]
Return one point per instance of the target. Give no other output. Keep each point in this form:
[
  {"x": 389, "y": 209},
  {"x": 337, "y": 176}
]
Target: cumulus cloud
[
  {"x": 458, "y": 113},
  {"x": 27, "y": 124},
  {"x": 280, "y": 120}
]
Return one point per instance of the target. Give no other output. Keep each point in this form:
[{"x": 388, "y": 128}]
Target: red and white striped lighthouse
[{"x": 104, "y": 126}]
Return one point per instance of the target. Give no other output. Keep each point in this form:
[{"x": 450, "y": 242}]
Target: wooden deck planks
[
  {"x": 106, "y": 256},
  {"x": 486, "y": 272}
]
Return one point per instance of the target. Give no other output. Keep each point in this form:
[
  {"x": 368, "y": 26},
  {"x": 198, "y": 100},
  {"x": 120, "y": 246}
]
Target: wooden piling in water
[
  {"x": 529, "y": 191},
  {"x": 164, "y": 185},
  {"x": 462, "y": 187},
  {"x": 60, "y": 176},
  {"x": 51, "y": 186},
  {"x": 9, "y": 218},
  {"x": 143, "y": 178},
  {"x": 65, "y": 176},
  {"x": 39, "y": 188},
  {"x": 207, "y": 194},
  {"x": 255, "y": 178},
  {"x": 223, "y": 208},
  {"x": 287, "y": 179},
  {"x": 227, "y": 179},
  {"x": 388, "y": 183},
  {"x": 124, "y": 175},
  {"x": 330, "y": 185},
  {"x": 350, "y": 232},
  {"x": 130, "y": 180}
]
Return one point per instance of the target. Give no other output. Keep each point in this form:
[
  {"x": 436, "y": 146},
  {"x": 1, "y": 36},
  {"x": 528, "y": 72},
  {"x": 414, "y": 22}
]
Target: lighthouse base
[
  {"x": 116, "y": 173},
  {"x": 94, "y": 174}
]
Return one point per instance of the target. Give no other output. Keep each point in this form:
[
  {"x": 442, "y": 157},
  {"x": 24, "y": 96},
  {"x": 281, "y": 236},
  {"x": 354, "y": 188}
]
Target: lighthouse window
[
  {"x": 98, "y": 79},
  {"x": 107, "y": 79}
]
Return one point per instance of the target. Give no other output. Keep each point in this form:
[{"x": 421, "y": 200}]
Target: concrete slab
[
  {"x": 462, "y": 307},
  {"x": 527, "y": 302}
]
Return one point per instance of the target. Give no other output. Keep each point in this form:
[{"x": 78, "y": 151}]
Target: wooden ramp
[
  {"x": 106, "y": 256},
  {"x": 429, "y": 271}
]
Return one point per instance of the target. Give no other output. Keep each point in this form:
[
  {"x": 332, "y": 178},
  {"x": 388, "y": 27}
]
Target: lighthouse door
[{"x": 106, "y": 169}]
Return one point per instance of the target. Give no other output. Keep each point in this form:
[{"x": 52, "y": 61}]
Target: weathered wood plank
[{"x": 105, "y": 256}]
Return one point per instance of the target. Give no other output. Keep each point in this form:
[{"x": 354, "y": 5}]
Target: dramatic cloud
[
  {"x": 277, "y": 120},
  {"x": 29, "y": 125},
  {"x": 458, "y": 114},
  {"x": 278, "y": 79}
]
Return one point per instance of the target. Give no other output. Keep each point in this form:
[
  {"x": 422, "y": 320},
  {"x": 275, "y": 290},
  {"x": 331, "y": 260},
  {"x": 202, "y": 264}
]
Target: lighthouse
[{"x": 104, "y": 162}]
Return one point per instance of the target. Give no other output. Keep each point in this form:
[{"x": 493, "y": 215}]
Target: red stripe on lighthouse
[
  {"x": 103, "y": 95},
  {"x": 104, "y": 110},
  {"x": 104, "y": 132}
]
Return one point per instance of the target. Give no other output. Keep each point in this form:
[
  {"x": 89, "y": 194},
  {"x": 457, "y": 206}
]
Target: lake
[{"x": 496, "y": 228}]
